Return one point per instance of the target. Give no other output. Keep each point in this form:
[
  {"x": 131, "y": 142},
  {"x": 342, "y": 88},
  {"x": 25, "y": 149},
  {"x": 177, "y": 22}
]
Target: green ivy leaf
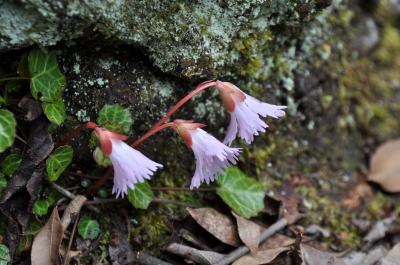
[
  {"x": 10, "y": 164},
  {"x": 41, "y": 206},
  {"x": 58, "y": 161},
  {"x": 55, "y": 111},
  {"x": 3, "y": 182},
  {"x": 243, "y": 194},
  {"x": 7, "y": 129},
  {"x": 46, "y": 77},
  {"x": 115, "y": 118},
  {"x": 100, "y": 159},
  {"x": 88, "y": 228},
  {"x": 5, "y": 257},
  {"x": 141, "y": 196}
]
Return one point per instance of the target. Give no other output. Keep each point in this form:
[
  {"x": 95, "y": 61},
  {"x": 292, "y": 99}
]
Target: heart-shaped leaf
[
  {"x": 7, "y": 129},
  {"x": 47, "y": 80},
  {"x": 10, "y": 164},
  {"x": 100, "y": 158},
  {"x": 3, "y": 182},
  {"x": 243, "y": 194},
  {"x": 115, "y": 118},
  {"x": 141, "y": 196},
  {"x": 58, "y": 161},
  {"x": 5, "y": 257},
  {"x": 55, "y": 111},
  {"x": 88, "y": 228},
  {"x": 42, "y": 205}
]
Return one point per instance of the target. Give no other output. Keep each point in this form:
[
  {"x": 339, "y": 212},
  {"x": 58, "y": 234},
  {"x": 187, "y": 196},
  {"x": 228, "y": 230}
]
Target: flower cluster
[{"x": 212, "y": 156}]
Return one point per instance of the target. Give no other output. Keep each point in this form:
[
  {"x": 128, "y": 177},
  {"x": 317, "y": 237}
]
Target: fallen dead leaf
[
  {"x": 393, "y": 256},
  {"x": 45, "y": 247},
  {"x": 217, "y": 224},
  {"x": 261, "y": 257},
  {"x": 356, "y": 195},
  {"x": 313, "y": 256},
  {"x": 384, "y": 167},
  {"x": 249, "y": 232},
  {"x": 379, "y": 229},
  {"x": 32, "y": 108},
  {"x": 315, "y": 229},
  {"x": 374, "y": 255},
  {"x": 40, "y": 144},
  {"x": 277, "y": 240},
  {"x": 289, "y": 208}
]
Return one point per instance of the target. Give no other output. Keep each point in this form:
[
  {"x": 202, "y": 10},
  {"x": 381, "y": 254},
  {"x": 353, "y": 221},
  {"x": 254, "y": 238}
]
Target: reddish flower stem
[
  {"x": 70, "y": 136},
  {"x": 151, "y": 132},
  {"x": 181, "y": 102},
  {"x": 158, "y": 126}
]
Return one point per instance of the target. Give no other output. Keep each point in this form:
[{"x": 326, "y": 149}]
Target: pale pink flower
[
  {"x": 245, "y": 111},
  {"x": 212, "y": 156},
  {"x": 130, "y": 165}
]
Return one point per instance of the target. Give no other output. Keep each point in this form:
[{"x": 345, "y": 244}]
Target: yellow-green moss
[{"x": 329, "y": 214}]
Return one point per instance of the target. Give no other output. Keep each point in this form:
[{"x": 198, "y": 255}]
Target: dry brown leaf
[
  {"x": 384, "y": 166},
  {"x": 216, "y": 223},
  {"x": 393, "y": 256},
  {"x": 261, "y": 257},
  {"x": 289, "y": 208},
  {"x": 357, "y": 194},
  {"x": 249, "y": 232},
  {"x": 380, "y": 228},
  {"x": 45, "y": 247},
  {"x": 313, "y": 256},
  {"x": 277, "y": 240}
]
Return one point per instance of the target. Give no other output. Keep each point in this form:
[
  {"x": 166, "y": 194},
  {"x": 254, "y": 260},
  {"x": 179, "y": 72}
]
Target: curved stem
[
  {"x": 151, "y": 132},
  {"x": 181, "y": 102}
]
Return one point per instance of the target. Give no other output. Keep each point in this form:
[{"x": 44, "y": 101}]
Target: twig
[
  {"x": 69, "y": 195},
  {"x": 67, "y": 258},
  {"x": 72, "y": 211},
  {"x": 102, "y": 201},
  {"x": 189, "y": 237},
  {"x": 166, "y": 201},
  {"x": 202, "y": 257},
  {"x": 243, "y": 250},
  {"x": 14, "y": 78},
  {"x": 145, "y": 259},
  {"x": 156, "y": 200},
  {"x": 181, "y": 189},
  {"x": 76, "y": 174},
  {"x": 19, "y": 138}
]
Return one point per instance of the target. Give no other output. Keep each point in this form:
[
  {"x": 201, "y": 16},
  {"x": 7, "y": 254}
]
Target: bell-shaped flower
[
  {"x": 245, "y": 113},
  {"x": 130, "y": 165},
  {"x": 212, "y": 156}
]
